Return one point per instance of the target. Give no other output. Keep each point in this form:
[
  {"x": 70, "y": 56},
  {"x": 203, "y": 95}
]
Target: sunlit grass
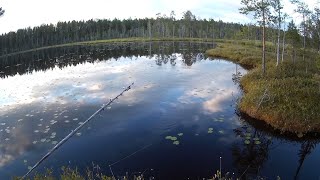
[{"x": 292, "y": 90}]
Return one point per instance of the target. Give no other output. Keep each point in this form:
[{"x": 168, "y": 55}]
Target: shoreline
[
  {"x": 120, "y": 40},
  {"x": 286, "y": 97}
]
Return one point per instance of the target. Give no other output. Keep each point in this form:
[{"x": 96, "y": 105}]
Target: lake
[{"x": 177, "y": 122}]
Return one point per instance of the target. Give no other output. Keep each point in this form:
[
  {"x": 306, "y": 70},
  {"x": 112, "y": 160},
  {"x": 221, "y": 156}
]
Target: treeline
[
  {"x": 75, "y": 31},
  {"x": 161, "y": 27}
]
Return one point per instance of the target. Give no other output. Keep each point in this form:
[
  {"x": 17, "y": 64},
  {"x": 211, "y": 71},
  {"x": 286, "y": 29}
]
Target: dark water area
[{"x": 176, "y": 122}]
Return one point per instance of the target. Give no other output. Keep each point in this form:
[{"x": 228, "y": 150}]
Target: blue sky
[{"x": 25, "y": 13}]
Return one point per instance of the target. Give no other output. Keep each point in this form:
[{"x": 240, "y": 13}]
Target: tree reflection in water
[
  {"x": 248, "y": 159},
  {"x": 43, "y": 60}
]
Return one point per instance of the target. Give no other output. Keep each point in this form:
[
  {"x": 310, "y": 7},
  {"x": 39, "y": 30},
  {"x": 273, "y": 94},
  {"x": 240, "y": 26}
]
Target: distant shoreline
[{"x": 118, "y": 40}]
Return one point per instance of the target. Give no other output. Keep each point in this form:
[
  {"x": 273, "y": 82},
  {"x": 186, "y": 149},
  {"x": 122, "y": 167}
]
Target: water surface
[{"x": 179, "y": 118}]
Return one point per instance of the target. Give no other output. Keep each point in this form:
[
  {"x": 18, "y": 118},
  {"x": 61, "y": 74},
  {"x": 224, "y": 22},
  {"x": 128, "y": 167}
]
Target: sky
[{"x": 30, "y": 13}]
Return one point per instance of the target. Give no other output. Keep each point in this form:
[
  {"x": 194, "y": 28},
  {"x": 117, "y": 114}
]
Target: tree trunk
[
  {"x": 263, "y": 42},
  {"x": 283, "y": 43},
  {"x": 278, "y": 45}
]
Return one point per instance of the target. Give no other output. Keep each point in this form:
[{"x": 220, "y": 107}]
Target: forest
[{"x": 164, "y": 26}]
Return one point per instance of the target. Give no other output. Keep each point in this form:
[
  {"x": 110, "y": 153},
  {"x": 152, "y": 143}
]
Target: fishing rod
[{"x": 75, "y": 130}]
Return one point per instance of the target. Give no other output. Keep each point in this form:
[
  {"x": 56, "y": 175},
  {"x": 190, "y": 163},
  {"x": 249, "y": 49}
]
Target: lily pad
[
  {"x": 176, "y": 142},
  {"x": 173, "y": 138},
  {"x": 210, "y": 132},
  {"x": 180, "y": 134},
  {"x": 168, "y": 137},
  {"x": 257, "y": 142},
  {"x": 210, "y": 129},
  {"x": 221, "y": 131},
  {"x": 256, "y": 139},
  {"x": 247, "y": 142}
]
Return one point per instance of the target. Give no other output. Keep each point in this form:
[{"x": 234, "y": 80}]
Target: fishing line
[
  {"x": 145, "y": 147},
  {"x": 75, "y": 130}
]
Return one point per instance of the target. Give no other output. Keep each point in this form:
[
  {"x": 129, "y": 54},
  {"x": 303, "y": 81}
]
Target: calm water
[{"x": 178, "y": 92}]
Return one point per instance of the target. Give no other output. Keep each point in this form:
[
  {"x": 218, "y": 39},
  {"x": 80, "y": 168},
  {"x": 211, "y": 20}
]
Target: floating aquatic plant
[
  {"x": 168, "y": 137},
  {"x": 180, "y": 134},
  {"x": 256, "y": 139},
  {"x": 210, "y": 132},
  {"x": 173, "y": 138},
  {"x": 210, "y": 129},
  {"x": 221, "y": 131},
  {"x": 257, "y": 142},
  {"x": 54, "y": 142},
  {"x": 78, "y": 134},
  {"x": 176, "y": 142},
  {"x": 247, "y": 142}
]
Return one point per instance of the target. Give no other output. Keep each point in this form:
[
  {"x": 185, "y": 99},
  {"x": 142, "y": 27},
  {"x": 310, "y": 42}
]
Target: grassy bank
[
  {"x": 121, "y": 40},
  {"x": 287, "y": 97},
  {"x": 68, "y": 173}
]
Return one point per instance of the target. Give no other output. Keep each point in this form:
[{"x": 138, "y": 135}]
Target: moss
[{"x": 291, "y": 91}]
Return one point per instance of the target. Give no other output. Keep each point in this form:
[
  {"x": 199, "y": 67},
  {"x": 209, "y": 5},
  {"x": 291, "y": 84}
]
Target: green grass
[
  {"x": 120, "y": 40},
  {"x": 73, "y": 174},
  {"x": 68, "y": 173},
  {"x": 292, "y": 89}
]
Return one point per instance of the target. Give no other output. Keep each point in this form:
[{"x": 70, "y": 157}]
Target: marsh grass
[{"x": 292, "y": 89}]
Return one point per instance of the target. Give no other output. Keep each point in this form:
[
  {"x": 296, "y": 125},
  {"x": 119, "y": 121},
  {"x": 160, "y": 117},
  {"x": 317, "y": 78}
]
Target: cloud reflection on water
[{"x": 55, "y": 94}]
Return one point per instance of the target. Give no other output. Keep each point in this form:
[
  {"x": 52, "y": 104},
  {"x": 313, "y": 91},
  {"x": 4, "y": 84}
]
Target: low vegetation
[
  {"x": 286, "y": 97},
  {"x": 68, "y": 173}
]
